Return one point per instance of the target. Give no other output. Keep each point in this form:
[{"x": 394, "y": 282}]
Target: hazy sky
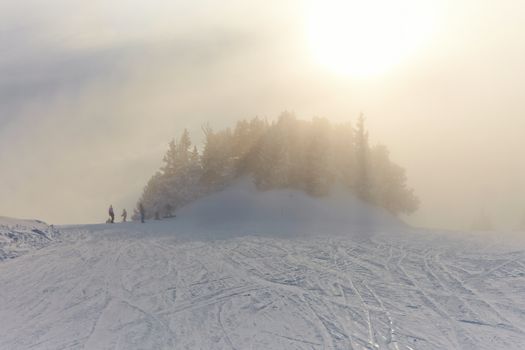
[{"x": 92, "y": 92}]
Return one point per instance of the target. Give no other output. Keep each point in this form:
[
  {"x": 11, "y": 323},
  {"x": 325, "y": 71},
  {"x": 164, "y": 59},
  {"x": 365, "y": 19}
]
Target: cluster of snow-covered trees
[{"x": 288, "y": 153}]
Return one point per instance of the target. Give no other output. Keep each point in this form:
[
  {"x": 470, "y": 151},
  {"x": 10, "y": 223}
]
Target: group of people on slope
[
  {"x": 124, "y": 214},
  {"x": 111, "y": 213}
]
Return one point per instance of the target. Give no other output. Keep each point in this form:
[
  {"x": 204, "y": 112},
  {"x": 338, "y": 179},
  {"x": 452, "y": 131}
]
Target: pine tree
[
  {"x": 178, "y": 181},
  {"x": 178, "y": 154},
  {"x": 343, "y": 160},
  {"x": 272, "y": 167},
  {"x": 318, "y": 175},
  {"x": 247, "y": 138},
  {"x": 217, "y": 159},
  {"x": 194, "y": 175},
  {"x": 170, "y": 159},
  {"x": 362, "y": 182},
  {"x": 289, "y": 153},
  {"x": 153, "y": 196},
  {"x": 195, "y": 157},
  {"x": 388, "y": 184}
]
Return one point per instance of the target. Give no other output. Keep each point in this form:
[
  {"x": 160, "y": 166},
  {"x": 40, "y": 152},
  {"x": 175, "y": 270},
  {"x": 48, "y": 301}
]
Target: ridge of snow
[
  {"x": 242, "y": 208},
  {"x": 18, "y": 236}
]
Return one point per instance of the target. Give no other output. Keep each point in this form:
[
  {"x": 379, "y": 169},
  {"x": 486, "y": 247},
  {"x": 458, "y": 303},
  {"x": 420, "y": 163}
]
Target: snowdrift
[
  {"x": 242, "y": 209},
  {"x": 18, "y": 237}
]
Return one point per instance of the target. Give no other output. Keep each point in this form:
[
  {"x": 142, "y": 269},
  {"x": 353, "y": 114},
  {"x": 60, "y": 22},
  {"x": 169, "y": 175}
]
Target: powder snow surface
[
  {"x": 161, "y": 285},
  {"x": 18, "y": 237}
]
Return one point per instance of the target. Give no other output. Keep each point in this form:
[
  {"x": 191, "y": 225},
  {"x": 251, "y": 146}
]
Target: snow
[
  {"x": 18, "y": 237},
  {"x": 226, "y": 285},
  {"x": 241, "y": 208}
]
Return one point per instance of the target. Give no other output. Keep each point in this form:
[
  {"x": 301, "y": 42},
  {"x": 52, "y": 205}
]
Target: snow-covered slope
[
  {"x": 161, "y": 285},
  {"x": 18, "y": 237},
  {"x": 241, "y": 208}
]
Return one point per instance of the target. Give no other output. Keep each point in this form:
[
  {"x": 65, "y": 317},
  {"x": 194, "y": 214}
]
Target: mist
[{"x": 91, "y": 94}]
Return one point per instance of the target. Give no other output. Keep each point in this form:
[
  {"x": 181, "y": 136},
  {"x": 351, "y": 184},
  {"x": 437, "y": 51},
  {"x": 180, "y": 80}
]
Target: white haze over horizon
[{"x": 91, "y": 94}]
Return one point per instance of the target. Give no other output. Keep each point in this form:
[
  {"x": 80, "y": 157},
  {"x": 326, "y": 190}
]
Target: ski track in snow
[{"x": 111, "y": 287}]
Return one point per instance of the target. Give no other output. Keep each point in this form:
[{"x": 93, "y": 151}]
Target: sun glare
[{"x": 366, "y": 38}]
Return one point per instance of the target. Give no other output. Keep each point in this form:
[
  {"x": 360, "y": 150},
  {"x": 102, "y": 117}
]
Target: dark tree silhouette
[{"x": 307, "y": 155}]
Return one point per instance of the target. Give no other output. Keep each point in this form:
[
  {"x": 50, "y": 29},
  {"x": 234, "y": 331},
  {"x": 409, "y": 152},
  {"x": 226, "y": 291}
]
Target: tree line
[{"x": 289, "y": 152}]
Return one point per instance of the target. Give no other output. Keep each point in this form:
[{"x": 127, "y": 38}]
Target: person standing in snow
[
  {"x": 142, "y": 212},
  {"x": 111, "y": 214},
  {"x": 124, "y": 215}
]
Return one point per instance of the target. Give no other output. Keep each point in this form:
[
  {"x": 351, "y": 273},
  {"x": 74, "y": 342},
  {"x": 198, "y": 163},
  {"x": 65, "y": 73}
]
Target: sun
[{"x": 367, "y": 37}]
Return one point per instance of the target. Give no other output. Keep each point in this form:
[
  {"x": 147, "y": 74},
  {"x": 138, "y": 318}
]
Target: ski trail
[
  {"x": 490, "y": 271},
  {"x": 392, "y": 339},
  {"x": 371, "y": 338},
  {"x": 474, "y": 293},
  {"x": 111, "y": 287},
  {"x": 226, "y": 335},
  {"x": 431, "y": 303},
  {"x": 236, "y": 268},
  {"x": 347, "y": 318}
]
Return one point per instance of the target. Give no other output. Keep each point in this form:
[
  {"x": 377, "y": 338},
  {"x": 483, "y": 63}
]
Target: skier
[
  {"x": 142, "y": 212},
  {"x": 111, "y": 214},
  {"x": 124, "y": 215}
]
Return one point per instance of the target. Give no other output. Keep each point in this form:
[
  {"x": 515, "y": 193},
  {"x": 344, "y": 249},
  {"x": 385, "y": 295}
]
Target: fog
[{"x": 91, "y": 94}]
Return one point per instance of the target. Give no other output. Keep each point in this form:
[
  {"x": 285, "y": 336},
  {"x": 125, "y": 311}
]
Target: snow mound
[
  {"x": 241, "y": 208},
  {"x": 18, "y": 237}
]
